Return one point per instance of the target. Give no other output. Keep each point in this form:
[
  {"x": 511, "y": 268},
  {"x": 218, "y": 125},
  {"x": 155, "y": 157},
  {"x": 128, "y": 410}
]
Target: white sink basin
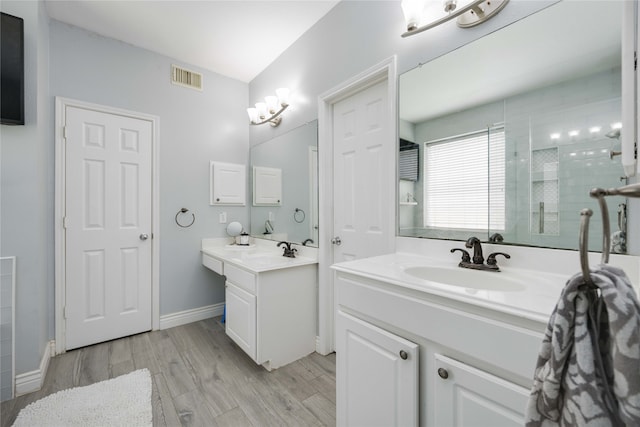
[{"x": 467, "y": 278}]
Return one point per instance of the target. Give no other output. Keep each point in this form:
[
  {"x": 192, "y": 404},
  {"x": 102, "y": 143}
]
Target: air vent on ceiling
[{"x": 183, "y": 77}]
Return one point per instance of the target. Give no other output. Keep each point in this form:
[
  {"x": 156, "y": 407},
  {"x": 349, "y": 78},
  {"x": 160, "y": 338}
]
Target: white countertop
[
  {"x": 535, "y": 298},
  {"x": 259, "y": 257}
]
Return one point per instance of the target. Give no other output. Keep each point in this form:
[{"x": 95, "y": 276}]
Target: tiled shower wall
[
  {"x": 7, "y": 277},
  {"x": 583, "y": 160}
]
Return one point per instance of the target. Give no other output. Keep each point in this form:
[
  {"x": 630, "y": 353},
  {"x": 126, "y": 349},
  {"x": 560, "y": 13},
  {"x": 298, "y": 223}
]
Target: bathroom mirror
[
  {"x": 285, "y": 205},
  {"x": 503, "y": 138}
]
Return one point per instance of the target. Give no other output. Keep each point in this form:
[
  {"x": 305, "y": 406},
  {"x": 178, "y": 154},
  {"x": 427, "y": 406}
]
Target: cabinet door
[
  {"x": 267, "y": 186},
  {"x": 228, "y": 184},
  {"x": 240, "y": 322},
  {"x": 377, "y": 376},
  {"x": 467, "y": 396}
]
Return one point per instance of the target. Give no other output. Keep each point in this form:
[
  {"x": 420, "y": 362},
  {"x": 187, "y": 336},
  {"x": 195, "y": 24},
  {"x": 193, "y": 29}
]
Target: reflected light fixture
[
  {"x": 422, "y": 15},
  {"x": 271, "y": 109}
]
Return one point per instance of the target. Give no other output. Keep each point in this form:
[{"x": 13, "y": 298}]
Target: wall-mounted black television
[{"x": 11, "y": 70}]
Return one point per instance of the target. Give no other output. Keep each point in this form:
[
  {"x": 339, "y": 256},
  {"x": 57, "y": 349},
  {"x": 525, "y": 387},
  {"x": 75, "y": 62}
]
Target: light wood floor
[{"x": 200, "y": 378}]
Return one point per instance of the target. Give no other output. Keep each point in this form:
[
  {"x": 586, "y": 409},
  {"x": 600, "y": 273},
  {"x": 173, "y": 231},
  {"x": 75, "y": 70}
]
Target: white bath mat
[{"x": 121, "y": 401}]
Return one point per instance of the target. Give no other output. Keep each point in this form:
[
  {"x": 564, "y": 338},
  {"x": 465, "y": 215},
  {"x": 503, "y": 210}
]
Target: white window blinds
[{"x": 465, "y": 181}]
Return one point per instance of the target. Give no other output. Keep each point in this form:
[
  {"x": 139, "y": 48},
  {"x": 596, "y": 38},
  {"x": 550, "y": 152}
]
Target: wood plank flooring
[{"x": 200, "y": 378}]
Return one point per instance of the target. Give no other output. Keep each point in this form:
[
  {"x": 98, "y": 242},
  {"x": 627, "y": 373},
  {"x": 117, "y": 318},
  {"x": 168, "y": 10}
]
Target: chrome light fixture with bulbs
[
  {"x": 422, "y": 15},
  {"x": 270, "y": 110}
]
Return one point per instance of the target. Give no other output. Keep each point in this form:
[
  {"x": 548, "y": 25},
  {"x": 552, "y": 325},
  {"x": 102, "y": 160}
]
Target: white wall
[
  {"x": 27, "y": 192},
  {"x": 352, "y": 37},
  {"x": 195, "y": 127}
]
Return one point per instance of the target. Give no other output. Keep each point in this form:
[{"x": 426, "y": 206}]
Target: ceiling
[{"x": 235, "y": 38}]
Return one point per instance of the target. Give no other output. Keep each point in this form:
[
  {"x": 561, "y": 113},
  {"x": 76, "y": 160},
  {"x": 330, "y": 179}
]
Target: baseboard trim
[
  {"x": 32, "y": 381},
  {"x": 189, "y": 316}
]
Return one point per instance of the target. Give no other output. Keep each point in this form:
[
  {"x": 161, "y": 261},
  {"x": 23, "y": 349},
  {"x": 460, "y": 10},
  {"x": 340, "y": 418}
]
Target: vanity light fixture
[
  {"x": 574, "y": 133},
  {"x": 422, "y": 15},
  {"x": 595, "y": 129},
  {"x": 554, "y": 136},
  {"x": 271, "y": 109}
]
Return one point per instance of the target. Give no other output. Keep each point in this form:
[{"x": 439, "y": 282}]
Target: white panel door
[
  {"x": 377, "y": 375},
  {"x": 107, "y": 226},
  {"x": 363, "y": 175},
  {"x": 468, "y": 397}
]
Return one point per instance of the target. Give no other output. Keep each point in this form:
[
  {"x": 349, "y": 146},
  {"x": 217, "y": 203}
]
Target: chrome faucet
[
  {"x": 289, "y": 252},
  {"x": 477, "y": 262}
]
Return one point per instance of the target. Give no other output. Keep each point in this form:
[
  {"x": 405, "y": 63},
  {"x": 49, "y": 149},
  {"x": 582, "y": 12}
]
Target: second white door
[
  {"x": 363, "y": 175},
  {"x": 108, "y": 199}
]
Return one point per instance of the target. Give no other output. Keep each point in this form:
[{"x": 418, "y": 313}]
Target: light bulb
[
  {"x": 283, "y": 96},
  {"x": 272, "y": 104},
  {"x": 412, "y": 10},
  {"x": 253, "y": 114},
  {"x": 262, "y": 109}
]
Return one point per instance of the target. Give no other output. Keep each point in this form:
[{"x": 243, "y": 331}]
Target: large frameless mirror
[
  {"x": 284, "y": 182},
  {"x": 504, "y": 137}
]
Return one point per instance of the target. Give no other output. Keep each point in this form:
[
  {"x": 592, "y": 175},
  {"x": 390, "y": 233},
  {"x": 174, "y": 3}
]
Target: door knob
[
  {"x": 144, "y": 236},
  {"x": 336, "y": 241}
]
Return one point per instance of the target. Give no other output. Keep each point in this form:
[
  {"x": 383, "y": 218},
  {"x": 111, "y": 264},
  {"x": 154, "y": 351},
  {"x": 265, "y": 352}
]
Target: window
[{"x": 465, "y": 181}]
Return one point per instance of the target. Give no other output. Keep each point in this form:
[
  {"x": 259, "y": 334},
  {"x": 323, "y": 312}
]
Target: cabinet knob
[
  {"x": 443, "y": 373},
  {"x": 403, "y": 355},
  {"x": 218, "y": 199}
]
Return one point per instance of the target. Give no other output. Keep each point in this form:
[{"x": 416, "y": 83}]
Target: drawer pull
[
  {"x": 403, "y": 355},
  {"x": 443, "y": 373}
]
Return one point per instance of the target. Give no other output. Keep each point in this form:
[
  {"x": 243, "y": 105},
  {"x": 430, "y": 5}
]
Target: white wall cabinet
[
  {"x": 271, "y": 315},
  {"x": 379, "y": 381},
  {"x": 228, "y": 184},
  {"x": 474, "y": 366},
  {"x": 267, "y": 186}
]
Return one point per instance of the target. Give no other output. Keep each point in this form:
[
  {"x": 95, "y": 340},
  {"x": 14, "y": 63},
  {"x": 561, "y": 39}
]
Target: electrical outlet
[{"x": 223, "y": 217}]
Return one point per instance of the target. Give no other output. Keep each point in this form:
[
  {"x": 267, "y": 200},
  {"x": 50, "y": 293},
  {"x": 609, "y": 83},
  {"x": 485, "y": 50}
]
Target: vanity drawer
[
  {"x": 213, "y": 264},
  {"x": 241, "y": 278}
]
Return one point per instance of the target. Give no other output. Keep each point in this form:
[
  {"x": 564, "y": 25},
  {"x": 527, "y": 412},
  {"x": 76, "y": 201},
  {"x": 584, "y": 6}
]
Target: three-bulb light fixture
[
  {"x": 421, "y": 15},
  {"x": 271, "y": 109}
]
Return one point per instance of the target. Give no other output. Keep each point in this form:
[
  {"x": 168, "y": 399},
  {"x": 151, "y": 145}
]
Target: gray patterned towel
[{"x": 588, "y": 370}]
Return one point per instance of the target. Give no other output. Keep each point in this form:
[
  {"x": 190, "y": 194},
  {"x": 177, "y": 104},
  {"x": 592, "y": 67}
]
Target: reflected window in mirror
[{"x": 456, "y": 193}]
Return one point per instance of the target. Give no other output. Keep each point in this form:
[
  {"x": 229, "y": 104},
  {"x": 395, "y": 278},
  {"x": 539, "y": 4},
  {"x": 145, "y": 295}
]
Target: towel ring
[
  {"x": 296, "y": 217},
  {"x": 193, "y": 218}
]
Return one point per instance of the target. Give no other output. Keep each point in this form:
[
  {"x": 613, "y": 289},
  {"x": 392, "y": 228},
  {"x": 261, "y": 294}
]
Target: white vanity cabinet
[
  {"x": 467, "y": 396},
  {"x": 379, "y": 382},
  {"x": 466, "y": 365},
  {"x": 271, "y": 314}
]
